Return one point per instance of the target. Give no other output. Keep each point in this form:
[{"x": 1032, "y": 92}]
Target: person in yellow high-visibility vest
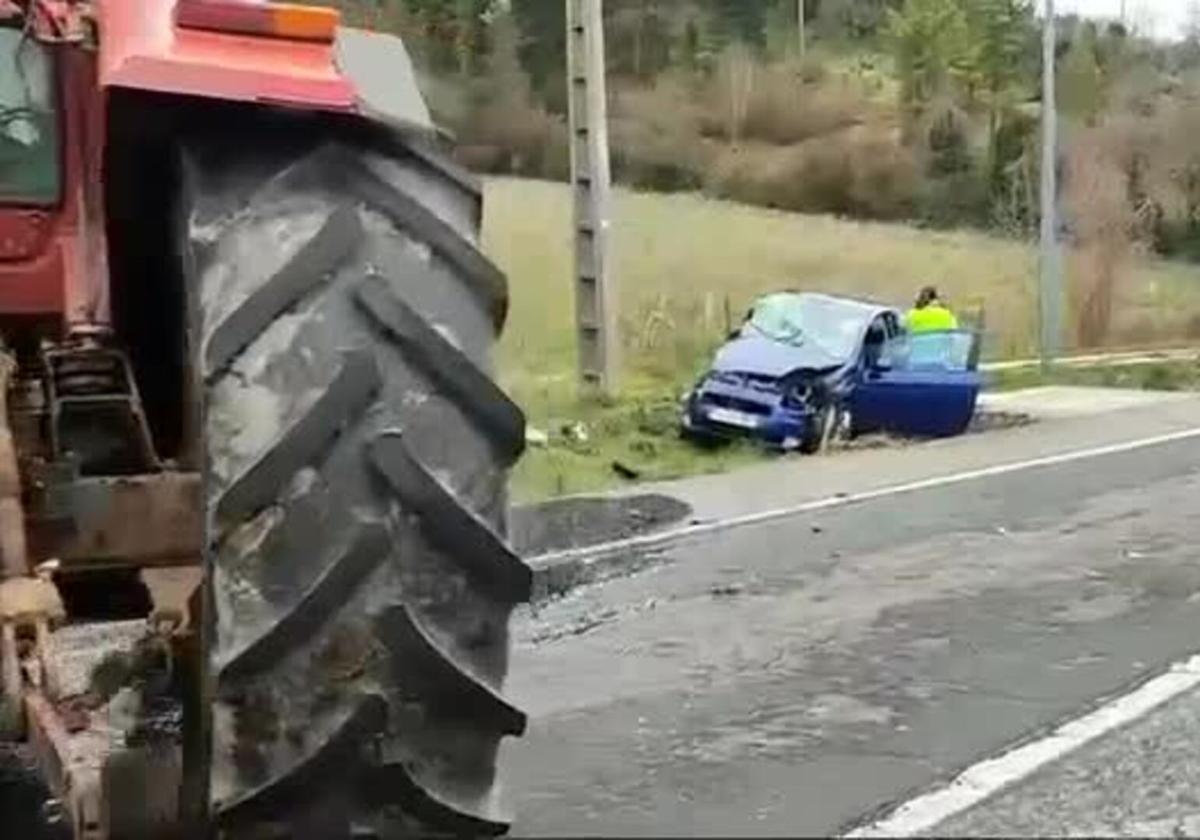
[{"x": 930, "y": 314}]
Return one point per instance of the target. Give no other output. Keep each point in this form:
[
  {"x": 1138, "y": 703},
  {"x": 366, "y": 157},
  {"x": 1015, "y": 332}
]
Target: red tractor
[{"x": 252, "y": 465}]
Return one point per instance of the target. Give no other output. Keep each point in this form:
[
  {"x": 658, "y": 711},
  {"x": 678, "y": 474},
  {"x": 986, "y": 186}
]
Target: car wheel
[{"x": 816, "y": 430}]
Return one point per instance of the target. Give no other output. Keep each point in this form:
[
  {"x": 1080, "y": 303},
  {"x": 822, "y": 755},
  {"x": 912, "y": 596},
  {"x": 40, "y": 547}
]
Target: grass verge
[
  {"x": 606, "y": 445},
  {"x": 689, "y": 267},
  {"x": 1150, "y": 376}
]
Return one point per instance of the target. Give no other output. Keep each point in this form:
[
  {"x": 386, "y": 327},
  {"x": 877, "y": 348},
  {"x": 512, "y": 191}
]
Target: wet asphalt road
[{"x": 797, "y": 677}]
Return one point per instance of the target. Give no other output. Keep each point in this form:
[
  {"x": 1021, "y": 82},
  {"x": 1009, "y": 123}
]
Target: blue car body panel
[
  {"x": 760, "y": 356},
  {"x": 770, "y": 390},
  {"x": 919, "y": 403},
  {"x": 760, "y": 401}
]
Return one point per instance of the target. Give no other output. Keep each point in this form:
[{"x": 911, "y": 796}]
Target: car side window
[
  {"x": 892, "y": 326},
  {"x": 875, "y": 342},
  {"x": 936, "y": 351},
  {"x": 893, "y": 350}
]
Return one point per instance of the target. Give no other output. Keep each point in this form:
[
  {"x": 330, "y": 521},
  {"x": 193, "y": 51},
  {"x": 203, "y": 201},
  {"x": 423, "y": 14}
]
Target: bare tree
[
  {"x": 1142, "y": 21},
  {"x": 1191, "y": 22},
  {"x": 1097, "y": 204},
  {"x": 737, "y": 74}
]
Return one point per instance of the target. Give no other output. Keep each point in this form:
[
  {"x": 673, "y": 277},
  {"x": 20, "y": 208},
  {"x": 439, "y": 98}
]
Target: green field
[{"x": 686, "y": 265}]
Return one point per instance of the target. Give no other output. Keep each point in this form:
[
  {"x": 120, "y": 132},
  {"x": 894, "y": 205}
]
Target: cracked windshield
[
  {"x": 28, "y": 149},
  {"x": 599, "y": 418},
  {"x": 795, "y": 319}
]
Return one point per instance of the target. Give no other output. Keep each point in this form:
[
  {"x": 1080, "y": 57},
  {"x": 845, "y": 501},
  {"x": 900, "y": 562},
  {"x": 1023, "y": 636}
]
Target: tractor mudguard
[{"x": 142, "y": 47}]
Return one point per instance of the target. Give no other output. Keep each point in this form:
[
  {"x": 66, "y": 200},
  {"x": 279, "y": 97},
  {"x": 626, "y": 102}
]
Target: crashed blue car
[{"x": 806, "y": 369}]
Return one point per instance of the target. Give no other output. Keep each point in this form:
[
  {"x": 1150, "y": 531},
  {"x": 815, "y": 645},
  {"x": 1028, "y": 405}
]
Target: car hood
[{"x": 760, "y": 355}]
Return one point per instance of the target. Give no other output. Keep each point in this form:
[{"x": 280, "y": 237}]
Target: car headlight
[{"x": 798, "y": 394}]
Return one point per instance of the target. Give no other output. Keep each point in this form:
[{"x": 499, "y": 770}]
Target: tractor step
[
  {"x": 107, "y": 740},
  {"x": 85, "y": 523}
]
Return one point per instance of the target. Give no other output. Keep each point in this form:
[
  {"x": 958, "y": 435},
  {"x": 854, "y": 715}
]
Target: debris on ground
[
  {"x": 996, "y": 421},
  {"x": 727, "y": 590},
  {"x": 626, "y": 472},
  {"x": 982, "y": 422},
  {"x": 576, "y": 432}
]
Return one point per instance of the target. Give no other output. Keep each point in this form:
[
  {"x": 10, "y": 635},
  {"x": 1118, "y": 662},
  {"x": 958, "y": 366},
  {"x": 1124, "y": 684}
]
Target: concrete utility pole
[
  {"x": 595, "y": 297},
  {"x": 1051, "y": 262},
  {"x": 803, "y": 28}
]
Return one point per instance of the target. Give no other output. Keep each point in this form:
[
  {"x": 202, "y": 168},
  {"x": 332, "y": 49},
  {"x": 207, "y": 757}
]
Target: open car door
[{"x": 923, "y": 385}]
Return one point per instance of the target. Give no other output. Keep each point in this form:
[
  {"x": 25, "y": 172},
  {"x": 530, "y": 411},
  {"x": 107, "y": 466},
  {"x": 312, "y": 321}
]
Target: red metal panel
[
  {"x": 23, "y": 233},
  {"x": 45, "y": 261},
  {"x": 140, "y": 47},
  {"x": 36, "y": 286}
]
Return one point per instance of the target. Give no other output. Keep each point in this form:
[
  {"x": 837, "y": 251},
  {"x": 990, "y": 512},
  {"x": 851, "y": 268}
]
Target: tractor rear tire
[{"x": 356, "y": 463}]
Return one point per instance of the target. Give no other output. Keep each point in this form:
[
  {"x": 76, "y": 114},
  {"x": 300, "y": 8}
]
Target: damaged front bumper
[{"x": 730, "y": 406}]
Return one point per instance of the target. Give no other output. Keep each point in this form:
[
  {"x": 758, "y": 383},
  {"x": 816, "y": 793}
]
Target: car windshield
[
  {"x": 835, "y": 326},
  {"x": 28, "y": 145}
]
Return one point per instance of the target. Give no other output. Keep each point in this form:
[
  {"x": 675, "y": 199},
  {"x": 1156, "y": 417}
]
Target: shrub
[
  {"x": 885, "y": 177},
  {"x": 856, "y": 172},
  {"x": 781, "y": 103},
  {"x": 763, "y": 175},
  {"x": 655, "y": 136},
  {"x": 514, "y": 137},
  {"x": 952, "y": 201},
  {"x": 503, "y": 129},
  {"x": 1097, "y": 200}
]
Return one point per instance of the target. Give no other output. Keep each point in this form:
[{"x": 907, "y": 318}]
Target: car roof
[{"x": 869, "y": 309}]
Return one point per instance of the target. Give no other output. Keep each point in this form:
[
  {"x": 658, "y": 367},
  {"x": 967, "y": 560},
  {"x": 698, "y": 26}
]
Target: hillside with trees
[{"x": 925, "y": 111}]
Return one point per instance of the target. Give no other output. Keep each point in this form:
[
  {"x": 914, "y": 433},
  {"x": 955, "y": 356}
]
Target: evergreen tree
[
  {"x": 543, "y": 28},
  {"x": 742, "y": 21},
  {"x": 999, "y": 34}
]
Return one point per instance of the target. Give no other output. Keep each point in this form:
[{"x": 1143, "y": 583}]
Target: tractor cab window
[{"x": 29, "y": 160}]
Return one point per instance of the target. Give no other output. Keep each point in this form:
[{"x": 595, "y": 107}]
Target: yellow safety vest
[{"x": 931, "y": 318}]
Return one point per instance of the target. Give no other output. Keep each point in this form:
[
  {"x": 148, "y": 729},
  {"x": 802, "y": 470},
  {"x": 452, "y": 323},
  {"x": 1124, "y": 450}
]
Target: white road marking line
[
  {"x": 989, "y": 777},
  {"x": 664, "y": 538}
]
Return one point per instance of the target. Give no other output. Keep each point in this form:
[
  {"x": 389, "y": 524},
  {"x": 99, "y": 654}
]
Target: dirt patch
[
  {"x": 996, "y": 421},
  {"x": 583, "y": 521},
  {"x": 982, "y": 422}
]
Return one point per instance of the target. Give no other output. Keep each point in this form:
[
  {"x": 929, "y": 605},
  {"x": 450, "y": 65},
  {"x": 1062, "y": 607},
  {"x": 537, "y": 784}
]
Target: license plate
[{"x": 733, "y": 418}]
